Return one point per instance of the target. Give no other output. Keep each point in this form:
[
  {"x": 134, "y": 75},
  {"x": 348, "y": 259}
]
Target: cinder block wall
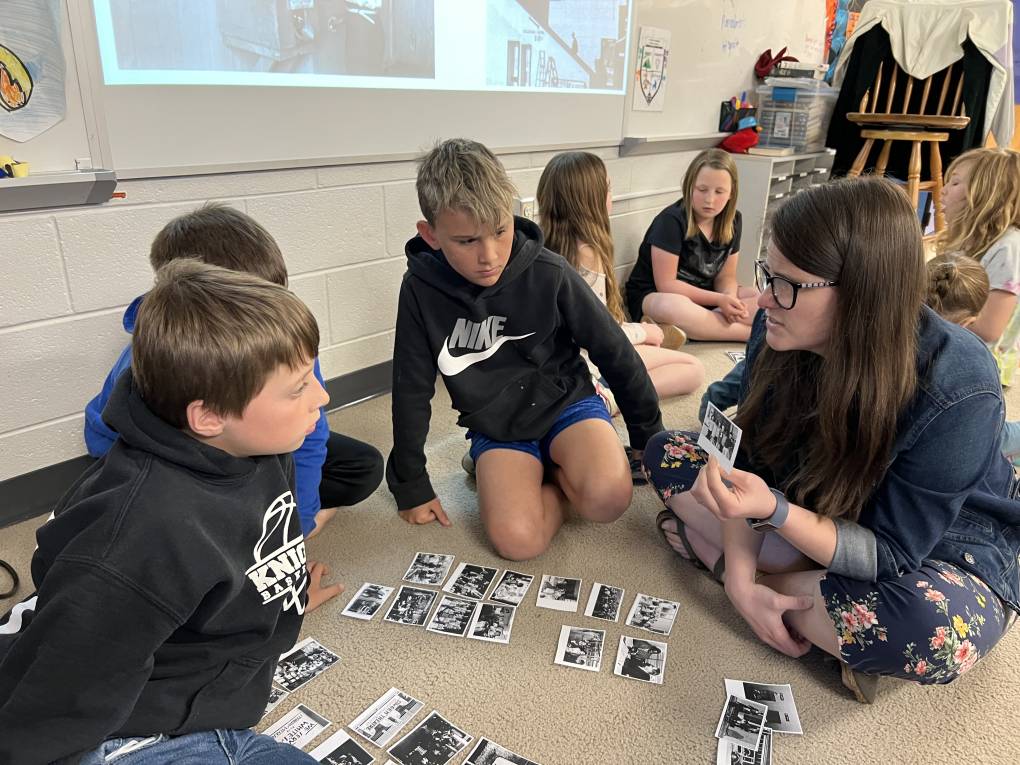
[{"x": 67, "y": 275}]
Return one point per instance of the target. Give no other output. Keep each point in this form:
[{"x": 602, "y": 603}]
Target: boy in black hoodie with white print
[
  {"x": 173, "y": 573},
  {"x": 503, "y": 319}
]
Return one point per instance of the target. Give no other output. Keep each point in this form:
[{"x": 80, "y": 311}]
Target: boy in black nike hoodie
[
  {"x": 173, "y": 573},
  {"x": 503, "y": 319}
]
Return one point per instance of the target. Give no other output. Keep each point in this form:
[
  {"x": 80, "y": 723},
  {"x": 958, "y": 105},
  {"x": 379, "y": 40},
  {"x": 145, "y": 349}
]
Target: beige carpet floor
[{"x": 515, "y": 695}]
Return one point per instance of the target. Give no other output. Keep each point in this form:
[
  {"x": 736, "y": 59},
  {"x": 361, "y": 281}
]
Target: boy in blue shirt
[{"x": 332, "y": 470}]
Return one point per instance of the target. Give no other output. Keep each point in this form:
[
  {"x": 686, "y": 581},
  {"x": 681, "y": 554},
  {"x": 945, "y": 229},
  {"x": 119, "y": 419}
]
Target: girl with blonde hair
[
  {"x": 981, "y": 201},
  {"x": 686, "y": 271}
]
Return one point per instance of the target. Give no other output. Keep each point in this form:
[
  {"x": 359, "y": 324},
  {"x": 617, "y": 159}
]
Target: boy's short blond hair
[
  {"x": 460, "y": 174},
  {"x": 209, "y": 334},
  {"x": 222, "y": 236}
]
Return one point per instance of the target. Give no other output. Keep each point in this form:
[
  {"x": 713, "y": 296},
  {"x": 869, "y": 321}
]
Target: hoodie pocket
[
  {"x": 230, "y": 697},
  {"x": 523, "y": 410}
]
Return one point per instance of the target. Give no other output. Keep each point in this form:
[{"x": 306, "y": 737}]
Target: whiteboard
[
  {"x": 76, "y": 136},
  {"x": 715, "y": 44}
]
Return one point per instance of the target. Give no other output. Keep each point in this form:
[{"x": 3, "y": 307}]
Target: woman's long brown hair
[
  {"x": 572, "y": 208},
  {"x": 832, "y": 418}
]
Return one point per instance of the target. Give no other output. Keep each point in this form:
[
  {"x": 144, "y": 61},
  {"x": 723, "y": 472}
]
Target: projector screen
[{"x": 257, "y": 82}]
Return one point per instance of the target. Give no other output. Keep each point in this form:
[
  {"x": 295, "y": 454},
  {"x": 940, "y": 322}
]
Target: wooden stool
[{"x": 907, "y": 125}]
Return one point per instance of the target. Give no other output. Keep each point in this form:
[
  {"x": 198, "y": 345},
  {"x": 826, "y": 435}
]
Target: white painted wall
[{"x": 67, "y": 275}]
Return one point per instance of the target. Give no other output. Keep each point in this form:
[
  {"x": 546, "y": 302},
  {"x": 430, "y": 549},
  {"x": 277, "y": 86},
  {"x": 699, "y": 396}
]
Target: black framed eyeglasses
[{"x": 784, "y": 292}]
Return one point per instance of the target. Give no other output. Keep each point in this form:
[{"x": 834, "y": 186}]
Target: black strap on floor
[{"x": 14, "y": 579}]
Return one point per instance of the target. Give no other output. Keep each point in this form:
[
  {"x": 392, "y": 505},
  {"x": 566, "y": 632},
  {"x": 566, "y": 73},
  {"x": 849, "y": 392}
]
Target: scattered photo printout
[
  {"x": 736, "y": 356},
  {"x": 367, "y": 601},
  {"x": 411, "y": 606},
  {"x": 492, "y": 622},
  {"x": 298, "y": 727},
  {"x": 782, "y": 716},
  {"x": 604, "y": 602},
  {"x": 640, "y": 659},
  {"x": 303, "y": 663},
  {"x": 471, "y": 581},
  {"x": 559, "y": 593},
  {"x": 276, "y": 695},
  {"x": 383, "y": 720},
  {"x": 741, "y": 722},
  {"x": 720, "y": 437},
  {"x": 488, "y": 753},
  {"x": 452, "y": 616},
  {"x": 652, "y": 614},
  {"x": 341, "y": 749},
  {"x": 580, "y": 648},
  {"x": 512, "y": 587},
  {"x": 732, "y": 754},
  {"x": 435, "y": 741},
  {"x": 428, "y": 568}
]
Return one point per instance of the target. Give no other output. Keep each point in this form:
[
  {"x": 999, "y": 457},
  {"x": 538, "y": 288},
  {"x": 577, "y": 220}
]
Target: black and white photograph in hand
[
  {"x": 303, "y": 663},
  {"x": 428, "y": 568},
  {"x": 435, "y": 741},
  {"x": 741, "y": 722},
  {"x": 720, "y": 437}
]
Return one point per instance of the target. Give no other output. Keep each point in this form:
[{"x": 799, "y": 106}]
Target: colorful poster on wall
[
  {"x": 32, "y": 68},
  {"x": 650, "y": 75}
]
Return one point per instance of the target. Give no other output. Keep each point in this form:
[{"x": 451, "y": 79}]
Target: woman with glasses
[{"x": 870, "y": 512}]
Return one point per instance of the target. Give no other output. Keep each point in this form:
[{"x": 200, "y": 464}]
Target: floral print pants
[{"x": 929, "y": 625}]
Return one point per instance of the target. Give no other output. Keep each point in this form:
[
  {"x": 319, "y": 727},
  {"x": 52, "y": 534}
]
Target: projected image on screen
[
  {"x": 387, "y": 38},
  {"x": 537, "y": 45},
  {"x": 557, "y": 43}
]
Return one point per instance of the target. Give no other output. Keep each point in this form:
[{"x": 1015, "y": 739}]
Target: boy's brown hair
[
  {"x": 221, "y": 236},
  {"x": 215, "y": 335},
  {"x": 460, "y": 174},
  {"x": 957, "y": 287}
]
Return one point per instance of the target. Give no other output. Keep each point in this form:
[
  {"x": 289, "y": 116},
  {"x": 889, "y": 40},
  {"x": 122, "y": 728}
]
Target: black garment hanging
[{"x": 873, "y": 48}]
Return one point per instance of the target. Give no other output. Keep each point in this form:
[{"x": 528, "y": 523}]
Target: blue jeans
[{"x": 216, "y": 747}]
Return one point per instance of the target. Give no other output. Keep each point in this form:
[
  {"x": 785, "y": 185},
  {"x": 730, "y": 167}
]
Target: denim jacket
[{"x": 948, "y": 493}]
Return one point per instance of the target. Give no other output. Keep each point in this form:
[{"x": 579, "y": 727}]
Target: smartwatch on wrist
[{"x": 778, "y": 517}]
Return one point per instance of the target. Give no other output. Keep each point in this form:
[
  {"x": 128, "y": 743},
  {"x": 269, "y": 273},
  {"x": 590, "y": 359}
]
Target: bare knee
[
  {"x": 603, "y": 501},
  {"x": 518, "y": 541}
]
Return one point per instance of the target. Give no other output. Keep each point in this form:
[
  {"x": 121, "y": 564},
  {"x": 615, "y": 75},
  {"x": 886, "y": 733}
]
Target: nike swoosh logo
[{"x": 451, "y": 365}]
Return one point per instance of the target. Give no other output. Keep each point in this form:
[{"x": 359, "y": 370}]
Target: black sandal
[{"x": 717, "y": 571}]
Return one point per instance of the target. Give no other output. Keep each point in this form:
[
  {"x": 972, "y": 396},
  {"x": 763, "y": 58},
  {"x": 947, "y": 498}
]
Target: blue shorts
[{"x": 591, "y": 408}]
